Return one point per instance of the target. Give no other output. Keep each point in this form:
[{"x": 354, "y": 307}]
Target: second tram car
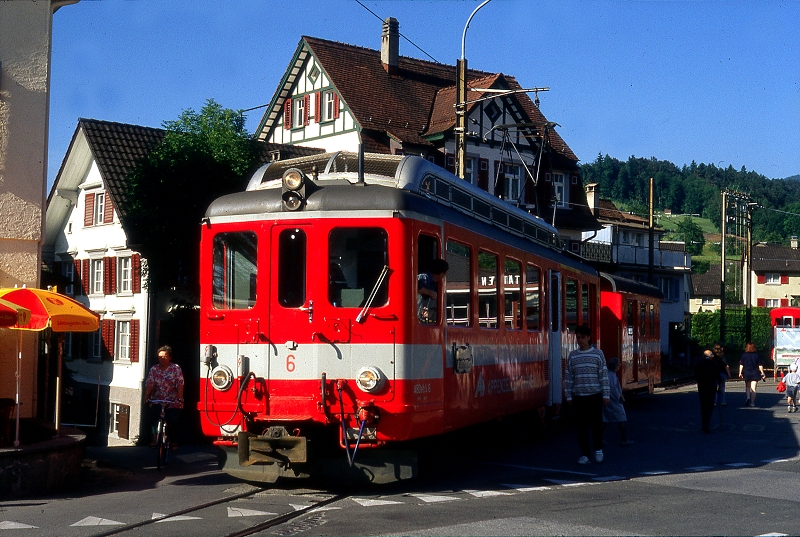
[{"x": 313, "y": 340}]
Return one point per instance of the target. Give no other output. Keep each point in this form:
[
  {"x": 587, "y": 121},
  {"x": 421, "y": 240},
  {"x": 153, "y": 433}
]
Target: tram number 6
[{"x": 290, "y": 365}]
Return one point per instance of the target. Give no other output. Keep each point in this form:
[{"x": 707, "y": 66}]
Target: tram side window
[
  {"x": 630, "y": 317},
  {"x": 234, "y": 271},
  {"x": 487, "y": 290},
  {"x": 428, "y": 266},
  {"x": 512, "y": 283},
  {"x": 652, "y": 319},
  {"x": 586, "y": 303},
  {"x": 356, "y": 259},
  {"x": 459, "y": 284},
  {"x": 292, "y": 246},
  {"x": 642, "y": 318},
  {"x": 533, "y": 304},
  {"x": 572, "y": 304}
]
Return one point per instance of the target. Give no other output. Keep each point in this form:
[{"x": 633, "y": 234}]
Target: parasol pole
[
  {"x": 59, "y": 352},
  {"x": 19, "y": 361}
]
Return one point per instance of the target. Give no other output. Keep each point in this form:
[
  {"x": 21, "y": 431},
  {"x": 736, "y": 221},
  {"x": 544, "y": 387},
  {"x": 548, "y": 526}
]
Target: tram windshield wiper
[{"x": 363, "y": 313}]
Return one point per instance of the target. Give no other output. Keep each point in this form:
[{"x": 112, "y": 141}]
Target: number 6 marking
[{"x": 290, "y": 365}]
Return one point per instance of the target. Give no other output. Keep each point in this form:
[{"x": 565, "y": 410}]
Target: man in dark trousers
[{"x": 707, "y": 374}]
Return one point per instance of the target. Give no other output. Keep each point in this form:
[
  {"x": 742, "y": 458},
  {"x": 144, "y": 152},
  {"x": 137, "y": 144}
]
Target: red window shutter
[
  {"x": 107, "y": 329},
  {"x": 784, "y": 279},
  {"x": 761, "y": 278},
  {"x": 108, "y": 270},
  {"x": 306, "y": 107},
  {"x": 85, "y": 276},
  {"x": 483, "y": 173},
  {"x": 287, "y": 114},
  {"x": 335, "y": 106},
  {"x": 134, "y": 340},
  {"x": 88, "y": 210},
  {"x": 108, "y": 210},
  {"x": 77, "y": 278},
  {"x": 784, "y": 302},
  {"x": 761, "y": 302},
  {"x": 318, "y": 106},
  {"x": 136, "y": 273}
]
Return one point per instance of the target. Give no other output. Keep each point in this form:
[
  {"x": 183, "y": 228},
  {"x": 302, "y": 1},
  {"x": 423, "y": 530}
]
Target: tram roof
[{"x": 409, "y": 183}]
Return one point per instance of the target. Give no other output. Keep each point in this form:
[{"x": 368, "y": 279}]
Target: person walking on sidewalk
[
  {"x": 792, "y": 380},
  {"x": 751, "y": 370},
  {"x": 725, "y": 372},
  {"x": 586, "y": 389},
  {"x": 615, "y": 412},
  {"x": 707, "y": 374}
]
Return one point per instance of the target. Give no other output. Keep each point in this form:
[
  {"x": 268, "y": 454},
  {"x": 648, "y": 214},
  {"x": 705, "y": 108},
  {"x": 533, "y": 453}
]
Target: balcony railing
[{"x": 624, "y": 254}]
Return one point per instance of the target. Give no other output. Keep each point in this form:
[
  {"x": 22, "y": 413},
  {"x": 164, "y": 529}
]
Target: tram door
[{"x": 554, "y": 339}]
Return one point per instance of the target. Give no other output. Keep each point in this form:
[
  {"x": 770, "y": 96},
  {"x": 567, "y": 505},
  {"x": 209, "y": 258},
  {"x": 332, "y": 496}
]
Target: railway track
[{"x": 255, "y": 528}]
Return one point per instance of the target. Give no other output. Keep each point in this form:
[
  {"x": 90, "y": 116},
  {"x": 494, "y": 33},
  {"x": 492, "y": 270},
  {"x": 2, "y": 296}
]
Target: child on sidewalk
[
  {"x": 792, "y": 380},
  {"x": 615, "y": 412}
]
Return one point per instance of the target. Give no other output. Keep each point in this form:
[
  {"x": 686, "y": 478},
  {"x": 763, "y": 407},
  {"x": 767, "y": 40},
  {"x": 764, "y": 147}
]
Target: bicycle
[{"x": 162, "y": 439}]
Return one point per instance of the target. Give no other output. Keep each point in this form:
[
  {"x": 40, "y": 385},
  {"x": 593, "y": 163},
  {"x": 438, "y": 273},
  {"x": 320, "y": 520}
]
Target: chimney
[
  {"x": 593, "y": 197},
  {"x": 793, "y": 242},
  {"x": 390, "y": 45}
]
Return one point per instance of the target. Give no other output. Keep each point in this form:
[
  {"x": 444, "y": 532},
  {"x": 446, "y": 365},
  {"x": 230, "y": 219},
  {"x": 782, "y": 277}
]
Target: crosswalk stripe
[
  {"x": 9, "y": 525},
  {"x": 370, "y": 502},
  {"x": 433, "y": 498},
  {"x": 524, "y": 488},
  {"x": 165, "y": 518},
  {"x": 488, "y": 493}
]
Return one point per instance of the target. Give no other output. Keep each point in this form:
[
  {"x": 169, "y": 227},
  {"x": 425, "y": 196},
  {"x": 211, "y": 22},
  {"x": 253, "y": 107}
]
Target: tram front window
[
  {"x": 234, "y": 273},
  {"x": 356, "y": 259}
]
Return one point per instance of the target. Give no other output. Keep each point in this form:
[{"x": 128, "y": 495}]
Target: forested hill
[{"x": 696, "y": 189}]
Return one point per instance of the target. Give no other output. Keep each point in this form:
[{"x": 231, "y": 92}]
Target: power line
[{"x": 400, "y": 34}]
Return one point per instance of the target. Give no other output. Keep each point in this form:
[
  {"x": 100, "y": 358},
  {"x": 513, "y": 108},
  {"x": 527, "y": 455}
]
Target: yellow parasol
[{"x": 58, "y": 312}]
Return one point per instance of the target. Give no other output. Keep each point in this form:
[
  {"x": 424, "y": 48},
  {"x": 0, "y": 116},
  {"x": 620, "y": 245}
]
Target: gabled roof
[
  {"x": 415, "y": 103},
  {"x": 775, "y": 258},
  {"x": 708, "y": 283}
]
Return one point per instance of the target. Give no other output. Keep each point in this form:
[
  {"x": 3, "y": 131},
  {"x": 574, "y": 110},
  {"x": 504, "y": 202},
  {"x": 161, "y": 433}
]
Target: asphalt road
[{"x": 505, "y": 478}]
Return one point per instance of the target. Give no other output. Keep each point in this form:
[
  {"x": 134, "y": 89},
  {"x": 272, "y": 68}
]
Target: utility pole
[
  {"x": 722, "y": 269},
  {"x": 651, "y": 238},
  {"x": 461, "y": 101}
]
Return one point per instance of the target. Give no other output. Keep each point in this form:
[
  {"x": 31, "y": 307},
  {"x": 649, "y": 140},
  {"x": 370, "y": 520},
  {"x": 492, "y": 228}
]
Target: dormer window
[{"x": 99, "y": 208}]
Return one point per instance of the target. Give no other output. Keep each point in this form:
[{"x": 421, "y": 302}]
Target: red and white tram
[{"x": 310, "y": 327}]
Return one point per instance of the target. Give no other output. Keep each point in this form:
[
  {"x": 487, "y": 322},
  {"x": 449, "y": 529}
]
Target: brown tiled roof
[
  {"x": 707, "y": 284},
  {"x": 417, "y": 101},
  {"x": 775, "y": 258},
  {"x": 608, "y": 212},
  {"x": 117, "y": 148}
]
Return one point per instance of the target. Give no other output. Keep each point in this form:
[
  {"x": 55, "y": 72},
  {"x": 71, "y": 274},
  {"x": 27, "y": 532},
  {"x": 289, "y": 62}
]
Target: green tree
[
  {"x": 693, "y": 236},
  {"x": 203, "y": 156}
]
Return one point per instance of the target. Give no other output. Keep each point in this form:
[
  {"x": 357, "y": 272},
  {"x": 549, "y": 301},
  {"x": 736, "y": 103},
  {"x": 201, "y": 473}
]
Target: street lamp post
[{"x": 461, "y": 99}]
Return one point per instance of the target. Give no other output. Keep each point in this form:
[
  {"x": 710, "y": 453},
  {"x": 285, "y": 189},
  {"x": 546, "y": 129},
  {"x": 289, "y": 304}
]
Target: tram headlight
[
  {"x": 293, "y": 189},
  {"x": 370, "y": 379},
  {"x": 221, "y": 377}
]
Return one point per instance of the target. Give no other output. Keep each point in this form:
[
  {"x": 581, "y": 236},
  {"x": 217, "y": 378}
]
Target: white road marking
[
  {"x": 94, "y": 521},
  {"x": 165, "y": 518},
  {"x": 368, "y": 502},
  {"x": 238, "y": 511},
  {"x": 739, "y": 464},
  {"x": 488, "y": 493},
  {"x": 297, "y": 507},
  {"x": 433, "y": 498},
  {"x": 655, "y": 472},
  {"x": 524, "y": 488},
  {"x": 699, "y": 468},
  {"x": 9, "y": 525}
]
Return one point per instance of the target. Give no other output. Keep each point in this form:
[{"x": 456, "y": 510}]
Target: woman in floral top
[{"x": 165, "y": 382}]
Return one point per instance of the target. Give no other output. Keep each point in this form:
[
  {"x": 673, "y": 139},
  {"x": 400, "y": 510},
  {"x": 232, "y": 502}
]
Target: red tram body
[
  {"x": 630, "y": 330},
  {"x": 312, "y": 330}
]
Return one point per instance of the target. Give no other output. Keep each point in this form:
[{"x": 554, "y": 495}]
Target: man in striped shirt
[{"x": 586, "y": 389}]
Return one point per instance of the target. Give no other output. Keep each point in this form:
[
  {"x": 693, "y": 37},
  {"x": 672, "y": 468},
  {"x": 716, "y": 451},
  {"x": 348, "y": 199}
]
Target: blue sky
[{"x": 680, "y": 80}]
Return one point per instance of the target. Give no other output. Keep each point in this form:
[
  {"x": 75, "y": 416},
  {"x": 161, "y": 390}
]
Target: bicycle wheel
[{"x": 161, "y": 446}]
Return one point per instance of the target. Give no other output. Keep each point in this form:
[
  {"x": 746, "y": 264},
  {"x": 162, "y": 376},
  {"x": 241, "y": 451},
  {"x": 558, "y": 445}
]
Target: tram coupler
[{"x": 275, "y": 446}]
